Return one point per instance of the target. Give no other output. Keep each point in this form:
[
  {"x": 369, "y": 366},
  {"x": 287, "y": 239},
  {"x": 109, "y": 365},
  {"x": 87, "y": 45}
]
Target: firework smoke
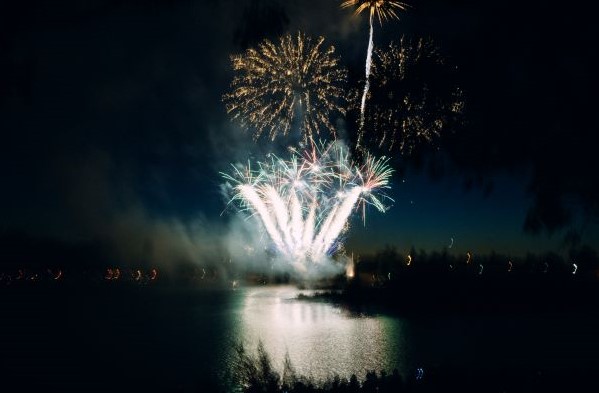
[
  {"x": 304, "y": 203},
  {"x": 383, "y": 9},
  {"x": 294, "y": 82}
]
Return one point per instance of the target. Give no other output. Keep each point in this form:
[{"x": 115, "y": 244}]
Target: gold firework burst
[
  {"x": 414, "y": 96},
  {"x": 383, "y": 9},
  {"x": 294, "y": 83}
]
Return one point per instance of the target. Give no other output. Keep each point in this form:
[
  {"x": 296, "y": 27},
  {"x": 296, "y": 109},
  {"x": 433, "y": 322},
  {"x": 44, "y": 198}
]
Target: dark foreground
[
  {"x": 255, "y": 373},
  {"x": 101, "y": 339}
]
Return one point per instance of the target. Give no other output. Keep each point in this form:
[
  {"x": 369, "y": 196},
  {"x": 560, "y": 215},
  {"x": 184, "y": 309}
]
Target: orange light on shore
[{"x": 349, "y": 270}]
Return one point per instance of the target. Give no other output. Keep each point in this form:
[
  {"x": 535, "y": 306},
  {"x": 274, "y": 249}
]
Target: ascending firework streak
[
  {"x": 294, "y": 82},
  {"x": 304, "y": 203},
  {"x": 384, "y": 9}
]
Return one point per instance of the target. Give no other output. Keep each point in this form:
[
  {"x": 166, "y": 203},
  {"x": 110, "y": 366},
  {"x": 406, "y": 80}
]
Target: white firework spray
[{"x": 304, "y": 203}]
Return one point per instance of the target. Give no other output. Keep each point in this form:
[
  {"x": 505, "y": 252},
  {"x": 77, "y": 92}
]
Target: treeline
[
  {"x": 440, "y": 282},
  {"x": 389, "y": 262}
]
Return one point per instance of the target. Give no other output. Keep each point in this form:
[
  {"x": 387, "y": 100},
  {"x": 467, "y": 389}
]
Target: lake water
[
  {"x": 321, "y": 339},
  {"x": 144, "y": 339}
]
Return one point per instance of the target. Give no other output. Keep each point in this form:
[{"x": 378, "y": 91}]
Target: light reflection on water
[{"x": 321, "y": 339}]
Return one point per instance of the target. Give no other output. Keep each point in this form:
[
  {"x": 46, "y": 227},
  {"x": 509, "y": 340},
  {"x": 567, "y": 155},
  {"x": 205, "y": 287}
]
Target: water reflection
[{"x": 321, "y": 339}]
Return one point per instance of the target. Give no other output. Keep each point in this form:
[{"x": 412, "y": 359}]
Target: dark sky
[{"x": 113, "y": 129}]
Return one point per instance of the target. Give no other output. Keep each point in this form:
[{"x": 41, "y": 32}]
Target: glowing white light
[{"x": 304, "y": 203}]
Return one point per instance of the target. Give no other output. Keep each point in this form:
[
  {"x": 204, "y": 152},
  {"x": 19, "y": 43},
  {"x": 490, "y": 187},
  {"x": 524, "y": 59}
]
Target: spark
[
  {"x": 510, "y": 265},
  {"x": 575, "y": 266},
  {"x": 469, "y": 257},
  {"x": 384, "y": 10},
  {"x": 350, "y": 268},
  {"x": 451, "y": 244},
  {"x": 304, "y": 203},
  {"x": 414, "y": 98},
  {"x": 55, "y": 276},
  {"x": 481, "y": 269},
  {"x": 293, "y": 82},
  {"x": 409, "y": 261}
]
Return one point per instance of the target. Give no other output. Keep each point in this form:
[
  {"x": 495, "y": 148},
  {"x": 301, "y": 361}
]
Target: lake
[{"x": 158, "y": 339}]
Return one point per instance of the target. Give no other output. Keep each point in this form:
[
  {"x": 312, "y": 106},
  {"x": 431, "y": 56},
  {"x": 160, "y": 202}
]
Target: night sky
[{"x": 114, "y": 131}]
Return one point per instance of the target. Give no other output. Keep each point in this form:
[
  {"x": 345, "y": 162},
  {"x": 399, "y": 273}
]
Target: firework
[
  {"x": 293, "y": 83},
  {"x": 414, "y": 95},
  {"x": 383, "y": 9},
  {"x": 304, "y": 203}
]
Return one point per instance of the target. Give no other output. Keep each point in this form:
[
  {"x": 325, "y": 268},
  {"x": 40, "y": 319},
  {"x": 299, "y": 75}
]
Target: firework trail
[
  {"x": 415, "y": 95},
  {"x": 295, "y": 82},
  {"x": 384, "y": 9},
  {"x": 304, "y": 203},
  {"x": 368, "y": 68}
]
